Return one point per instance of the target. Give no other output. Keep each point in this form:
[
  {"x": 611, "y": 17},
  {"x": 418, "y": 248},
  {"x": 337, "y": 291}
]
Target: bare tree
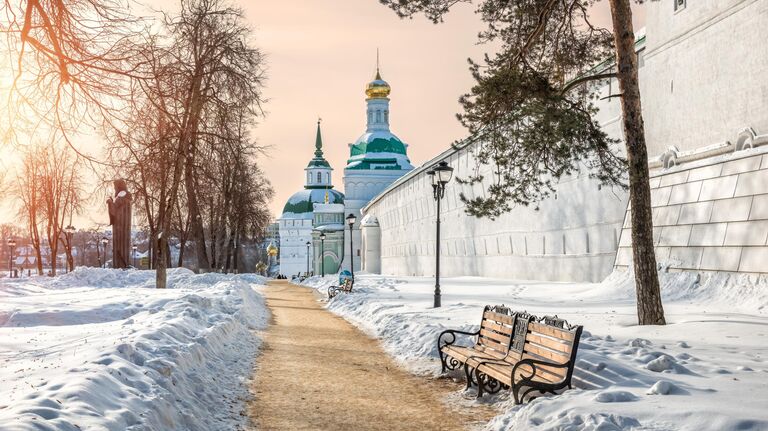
[
  {"x": 72, "y": 59},
  {"x": 213, "y": 53},
  {"x": 31, "y": 202},
  {"x": 60, "y": 184}
]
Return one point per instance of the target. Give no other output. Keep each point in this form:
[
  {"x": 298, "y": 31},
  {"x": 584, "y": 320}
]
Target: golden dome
[
  {"x": 378, "y": 88},
  {"x": 271, "y": 250}
]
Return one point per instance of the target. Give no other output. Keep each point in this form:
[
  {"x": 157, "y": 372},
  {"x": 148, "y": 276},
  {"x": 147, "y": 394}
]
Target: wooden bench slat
[
  {"x": 559, "y": 372},
  {"x": 504, "y": 374},
  {"x": 504, "y": 329},
  {"x": 497, "y": 317},
  {"x": 463, "y": 353},
  {"x": 551, "y": 331},
  {"x": 553, "y": 355},
  {"x": 493, "y": 344},
  {"x": 552, "y": 343},
  {"x": 501, "y": 338}
]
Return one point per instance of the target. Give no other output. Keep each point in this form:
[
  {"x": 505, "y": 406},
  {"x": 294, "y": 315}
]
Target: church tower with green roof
[
  {"x": 298, "y": 219},
  {"x": 376, "y": 159}
]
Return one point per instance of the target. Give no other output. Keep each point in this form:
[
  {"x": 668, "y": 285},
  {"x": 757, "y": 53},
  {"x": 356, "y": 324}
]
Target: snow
[
  {"x": 102, "y": 349},
  {"x": 706, "y": 370}
]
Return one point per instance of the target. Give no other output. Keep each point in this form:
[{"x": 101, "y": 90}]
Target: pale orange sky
[{"x": 320, "y": 55}]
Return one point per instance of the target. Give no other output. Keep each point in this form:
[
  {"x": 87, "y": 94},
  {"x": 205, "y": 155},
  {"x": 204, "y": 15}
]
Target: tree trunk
[
  {"x": 195, "y": 219},
  {"x": 161, "y": 277},
  {"x": 182, "y": 245},
  {"x": 649, "y": 308}
]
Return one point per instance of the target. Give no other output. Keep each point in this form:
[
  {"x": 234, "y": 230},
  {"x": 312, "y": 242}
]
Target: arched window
[
  {"x": 386, "y": 116},
  {"x": 309, "y": 178},
  {"x": 319, "y": 177},
  {"x": 378, "y": 116},
  {"x": 328, "y": 178}
]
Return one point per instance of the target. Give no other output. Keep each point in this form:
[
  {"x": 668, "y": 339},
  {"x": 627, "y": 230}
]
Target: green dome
[
  {"x": 301, "y": 204},
  {"x": 378, "y": 150}
]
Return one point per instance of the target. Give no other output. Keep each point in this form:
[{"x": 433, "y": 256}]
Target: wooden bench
[
  {"x": 539, "y": 354},
  {"x": 491, "y": 341},
  {"x": 346, "y": 287}
]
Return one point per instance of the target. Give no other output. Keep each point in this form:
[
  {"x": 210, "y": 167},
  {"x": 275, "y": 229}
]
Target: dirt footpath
[{"x": 316, "y": 371}]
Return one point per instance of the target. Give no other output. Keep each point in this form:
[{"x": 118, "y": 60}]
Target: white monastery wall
[
  {"x": 710, "y": 215},
  {"x": 294, "y": 234},
  {"x": 705, "y": 74},
  {"x": 571, "y": 237}
]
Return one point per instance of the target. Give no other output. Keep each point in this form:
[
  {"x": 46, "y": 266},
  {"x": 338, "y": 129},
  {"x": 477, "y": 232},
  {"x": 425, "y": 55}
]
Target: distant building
[
  {"x": 376, "y": 159},
  {"x": 297, "y": 220}
]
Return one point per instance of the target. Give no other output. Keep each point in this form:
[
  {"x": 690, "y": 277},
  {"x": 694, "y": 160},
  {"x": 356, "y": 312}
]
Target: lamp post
[
  {"x": 351, "y": 222},
  {"x": 308, "y": 244},
  {"x": 69, "y": 231},
  {"x": 322, "y": 253},
  {"x": 440, "y": 176},
  {"x": 104, "y": 242},
  {"x": 134, "y": 248},
  {"x": 12, "y": 245}
]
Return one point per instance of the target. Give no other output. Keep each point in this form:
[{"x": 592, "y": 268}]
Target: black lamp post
[
  {"x": 322, "y": 253},
  {"x": 12, "y": 245},
  {"x": 440, "y": 176},
  {"x": 69, "y": 231},
  {"x": 104, "y": 242},
  {"x": 308, "y": 244},
  {"x": 134, "y": 248},
  {"x": 351, "y": 222}
]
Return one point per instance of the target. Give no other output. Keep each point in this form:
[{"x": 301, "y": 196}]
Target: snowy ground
[
  {"x": 711, "y": 360},
  {"x": 103, "y": 350}
]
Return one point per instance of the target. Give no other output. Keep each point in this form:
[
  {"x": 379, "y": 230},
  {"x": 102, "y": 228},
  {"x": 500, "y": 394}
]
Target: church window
[
  {"x": 370, "y": 116},
  {"x": 309, "y": 177},
  {"x": 319, "y": 177},
  {"x": 378, "y": 116},
  {"x": 328, "y": 178},
  {"x": 386, "y": 116}
]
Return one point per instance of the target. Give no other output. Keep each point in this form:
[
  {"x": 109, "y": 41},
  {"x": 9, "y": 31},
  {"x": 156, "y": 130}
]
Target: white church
[{"x": 376, "y": 159}]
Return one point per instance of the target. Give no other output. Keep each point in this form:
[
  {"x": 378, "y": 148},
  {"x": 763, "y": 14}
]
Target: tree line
[{"x": 175, "y": 98}]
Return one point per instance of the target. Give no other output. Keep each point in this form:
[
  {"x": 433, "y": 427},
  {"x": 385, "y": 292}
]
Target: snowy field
[
  {"x": 706, "y": 370},
  {"x": 103, "y": 350}
]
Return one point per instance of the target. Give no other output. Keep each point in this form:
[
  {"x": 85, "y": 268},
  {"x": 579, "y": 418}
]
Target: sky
[{"x": 322, "y": 53}]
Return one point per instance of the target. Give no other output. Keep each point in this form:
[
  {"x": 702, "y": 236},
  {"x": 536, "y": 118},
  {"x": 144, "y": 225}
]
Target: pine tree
[{"x": 530, "y": 113}]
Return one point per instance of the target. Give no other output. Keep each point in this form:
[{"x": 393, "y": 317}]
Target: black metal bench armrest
[
  {"x": 452, "y": 333},
  {"x": 532, "y": 363}
]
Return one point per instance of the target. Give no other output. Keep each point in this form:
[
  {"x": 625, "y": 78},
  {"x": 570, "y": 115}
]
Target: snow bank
[
  {"x": 102, "y": 349},
  {"x": 693, "y": 374}
]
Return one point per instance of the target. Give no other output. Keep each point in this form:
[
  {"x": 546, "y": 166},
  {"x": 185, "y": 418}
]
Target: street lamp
[
  {"x": 351, "y": 222},
  {"x": 440, "y": 176},
  {"x": 308, "y": 244},
  {"x": 12, "y": 245},
  {"x": 104, "y": 242},
  {"x": 69, "y": 231},
  {"x": 322, "y": 253},
  {"x": 134, "y": 255}
]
